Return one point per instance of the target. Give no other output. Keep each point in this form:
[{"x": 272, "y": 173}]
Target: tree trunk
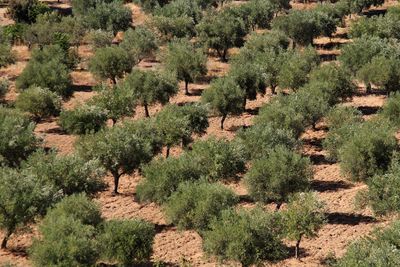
[
  {"x": 5, "y": 240},
  {"x": 273, "y": 89},
  {"x": 369, "y": 88},
  {"x": 114, "y": 80},
  {"x": 187, "y": 88},
  {"x": 278, "y": 206},
  {"x": 244, "y": 102},
  {"x": 224, "y": 53},
  {"x": 223, "y": 120},
  {"x": 114, "y": 121},
  {"x": 167, "y": 153},
  {"x": 297, "y": 249},
  {"x": 146, "y": 110},
  {"x": 116, "y": 181}
]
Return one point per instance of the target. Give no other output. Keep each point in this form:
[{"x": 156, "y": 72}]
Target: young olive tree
[
  {"x": 278, "y": 176},
  {"x": 194, "y": 205},
  {"x": 224, "y": 97},
  {"x": 23, "y": 197},
  {"x": 17, "y": 137},
  {"x": 127, "y": 241},
  {"x": 304, "y": 216},
  {"x": 150, "y": 87},
  {"x": 187, "y": 62},
  {"x": 68, "y": 234},
  {"x": 140, "y": 43},
  {"x": 120, "y": 150},
  {"x": 110, "y": 62},
  {"x": 249, "y": 237},
  {"x": 39, "y": 102},
  {"x": 220, "y": 31}
]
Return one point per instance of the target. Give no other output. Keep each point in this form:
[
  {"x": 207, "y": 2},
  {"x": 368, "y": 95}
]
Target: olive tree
[
  {"x": 115, "y": 102},
  {"x": 150, "y": 87},
  {"x": 40, "y": 102},
  {"x": 120, "y": 150},
  {"x": 224, "y": 97},
  {"x": 221, "y": 31},
  {"x": 278, "y": 176},
  {"x": 26, "y": 10},
  {"x": 18, "y": 139},
  {"x": 23, "y": 197},
  {"x": 4, "y": 86},
  {"x": 84, "y": 119},
  {"x": 194, "y": 205},
  {"x": 110, "y": 62},
  {"x": 304, "y": 216},
  {"x": 67, "y": 234},
  {"x": 7, "y": 57},
  {"x": 127, "y": 241},
  {"x": 391, "y": 109},
  {"x": 47, "y": 69},
  {"x": 140, "y": 43},
  {"x": 187, "y": 62},
  {"x": 249, "y": 237}
]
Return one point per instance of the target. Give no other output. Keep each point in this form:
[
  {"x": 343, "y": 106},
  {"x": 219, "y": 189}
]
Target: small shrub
[
  {"x": 83, "y": 120},
  {"x": 68, "y": 234},
  {"x": 100, "y": 38},
  {"x": 39, "y": 102},
  {"x": 197, "y": 116},
  {"x": 127, "y": 242},
  {"x": 342, "y": 115},
  {"x": 249, "y": 237},
  {"x": 194, "y": 205},
  {"x": 7, "y": 57},
  {"x": 369, "y": 151},
  {"x": 279, "y": 175}
]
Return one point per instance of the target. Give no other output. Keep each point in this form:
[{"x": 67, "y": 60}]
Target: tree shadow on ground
[
  {"x": 368, "y": 110},
  {"x": 319, "y": 160},
  {"x": 81, "y": 88},
  {"x": 348, "y": 218},
  {"x": 329, "y": 186}
]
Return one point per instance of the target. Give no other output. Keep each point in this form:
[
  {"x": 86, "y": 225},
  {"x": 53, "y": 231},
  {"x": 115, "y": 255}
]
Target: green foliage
[
  {"x": 109, "y": 16},
  {"x": 81, "y": 7},
  {"x": 179, "y": 8},
  {"x": 68, "y": 174},
  {"x": 340, "y": 116},
  {"x": 4, "y": 85},
  {"x": 110, "y": 62},
  {"x": 127, "y": 241},
  {"x": 175, "y": 27},
  {"x": 23, "y": 196},
  {"x": 381, "y": 248},
  {"x": 139, "y": 43},
  {"x": 280, "y": 114},
  {"x": 249, "y": 237},
  {"x": 222, "y": 159},
  {"x": 39, "y": 102},
  {"x": 100, "y": 38},
  {"x": 277, "y": 176},
  {"x": 185, "y": 61},
  {"x": 391, "y": 109},
  {"x": 26, "y": 10},
  {"x": 117, "y": 101},
  {"x": 194, "y": 205},
  {"x": 47, "y": 69},
  {"x": 263, "y": 42},
  {"x": 221, "y": 31},
  {"x": 197, "y": 115},
  {"x": 369, "y": 151},
  {"x": 83, "y": 120},
  {"x": 120, "y": 150},
  {"x": 304, "y": 216},
  {"x": 68, "y": 234},
  {"x": 162, "y": 177},
  {"x": 295, "y": 69},
  {"x": 383, "y": 191},
  {"x": 150, "y": 87},
  {"x": 224, "y": 97},
  {"x": 259, "y": 140},
  {"x": 7, "y": 57},
  {"x": 339, "y": 85},
  {"x": 17, "y": 137}
]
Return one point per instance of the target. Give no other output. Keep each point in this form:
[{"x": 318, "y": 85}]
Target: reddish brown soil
[{"x": 345, "y": 223}]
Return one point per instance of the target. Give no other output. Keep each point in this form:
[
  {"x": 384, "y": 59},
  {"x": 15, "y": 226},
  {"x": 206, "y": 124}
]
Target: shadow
[
  {"x": 81, "y": 88},
  {"x": 237, "y": 128},
  {"x": 55, "y": 130},
  {"x": 164, "y": 227},
  {"x": 329, "y": 186},
  {"x": 205, "y": 79},
  {"x": 18, "y": 251},
  {"x": 348, "y": 218},
  {"x": 253, "y": 111},
  {"x": 195, "y": 92},
  {"x": 320, "y": 160},
  {"x": 141, "y": 264},
  {"x": 367, "y": 110},
  {"x": 328, "y": 46},
  {"x": 361, "y": 92},
  {"x": 302, "y": 253},
  {"x": 327, "y": 57},
  {"x": 343, "y": 35},
  {"x": 245, "y": 199},
  {"x": 315, "y": 142},
  {"x": 374, "y": 12}
]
